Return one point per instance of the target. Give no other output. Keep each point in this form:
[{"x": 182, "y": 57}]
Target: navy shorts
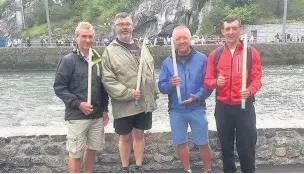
[{"x": 125, "y": 125}]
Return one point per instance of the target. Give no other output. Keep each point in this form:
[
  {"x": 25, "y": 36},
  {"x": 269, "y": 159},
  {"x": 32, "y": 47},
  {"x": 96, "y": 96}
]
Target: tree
[
  {"x": 295, "y": 10},
  {"x": 237, "y": 3},
  {"x": 38, "y": 16},
  {"x": 216, "y": 17},
  {"x": 207, "y": 28},
  {"x": 247, "y": 13}
]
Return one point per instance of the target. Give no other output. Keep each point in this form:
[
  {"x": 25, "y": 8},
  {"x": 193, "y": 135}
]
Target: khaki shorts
[{"x": 84, "y": 134}]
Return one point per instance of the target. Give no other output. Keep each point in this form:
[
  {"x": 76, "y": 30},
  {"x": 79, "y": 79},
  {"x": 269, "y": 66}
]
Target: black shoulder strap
[
  {"x": 218, "y": 54},
  {"x": 249, "y": 64},
  {"x": 217, "y": 57}
]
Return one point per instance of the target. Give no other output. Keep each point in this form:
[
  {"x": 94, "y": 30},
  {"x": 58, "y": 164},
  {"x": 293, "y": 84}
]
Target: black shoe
[
  {"x": 137, "y": 169},
  {"x": 124, "y": 170},
  {"x": 208, "y": 171}
]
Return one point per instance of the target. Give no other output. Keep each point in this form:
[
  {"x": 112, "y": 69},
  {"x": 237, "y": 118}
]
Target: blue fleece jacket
[{"x": 192, "y": 75}]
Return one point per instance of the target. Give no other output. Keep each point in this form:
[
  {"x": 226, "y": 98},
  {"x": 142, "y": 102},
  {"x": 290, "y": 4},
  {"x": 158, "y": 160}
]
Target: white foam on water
[{"x": 35, "y": 110}]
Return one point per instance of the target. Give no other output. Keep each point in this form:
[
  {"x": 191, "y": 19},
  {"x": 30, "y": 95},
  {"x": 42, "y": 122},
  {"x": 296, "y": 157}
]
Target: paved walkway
[{"x": 298, "y": 168}]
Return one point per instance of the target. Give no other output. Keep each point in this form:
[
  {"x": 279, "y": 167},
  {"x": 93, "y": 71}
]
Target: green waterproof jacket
[{"x": 119, "y": 76}]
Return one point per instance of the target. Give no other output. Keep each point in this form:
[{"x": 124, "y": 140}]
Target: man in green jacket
[{"x": 120, "y": 67}]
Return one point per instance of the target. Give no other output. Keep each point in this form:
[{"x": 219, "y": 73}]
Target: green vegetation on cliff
[
  {"x": 64, "y": 17},
  {"x": 253, "y": 12}
]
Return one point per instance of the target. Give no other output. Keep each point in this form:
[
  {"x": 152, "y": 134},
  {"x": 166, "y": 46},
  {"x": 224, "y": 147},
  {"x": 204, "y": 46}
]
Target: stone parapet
[
  {"x": 34, "y": 58},
  {"x": 46, "y": 153}
]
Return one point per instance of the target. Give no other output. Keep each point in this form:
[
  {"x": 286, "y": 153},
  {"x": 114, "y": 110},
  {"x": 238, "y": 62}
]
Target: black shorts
[{"x": 125, "y": 125}]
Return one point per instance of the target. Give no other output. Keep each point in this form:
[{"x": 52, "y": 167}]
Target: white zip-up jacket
[{"x": 119, "y": 76}]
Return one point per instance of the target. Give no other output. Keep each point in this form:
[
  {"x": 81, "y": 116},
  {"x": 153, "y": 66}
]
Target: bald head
[
  {"x": 181, "y": 29},
  {"x": 182, "y": 40}
]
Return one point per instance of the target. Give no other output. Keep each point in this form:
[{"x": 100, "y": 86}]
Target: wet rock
[
  {"x": 165, "y": 137},
  {"x": 264, "y": 152},
  {"x": 216, "y": 155},
  {"x": 281, "y": 152},
  {"x": 290, "y": 134},
  {"x": 109, "y": 158},
  {"x": 60, "y": 170},
  {"x": 162, "y": 158},
  {"x": 37, "y": 159},
  {"x": 172, "y": 164},
  {"x": 153, "y": 166},
  {"x": 280, "y": 141},
  {"x": 58, "y": 138},
  {"x": 19, "y": 161},
  {"x": 31, "y": 150},
  {"x": 2, "y": 161},
  {"x": 261, "y": 141},
  {"x": 270, "y": 133},
  {"x": 8, "y": 151},
  {"x": 54, "y": 161},
  {"x": 151, "y": 148},
  {"x": 53, "y": 150},
  {"x": 40, "y": 169},
  {"x": 111, "y": 137},
  {"x": 111, "y": 148},
  {"x": 300, "y": 131},
  {"x": 2, "y": 142},
  {"x": 212, "y": 133},
  {"x": 215, "y": 144},
  {"x": 194, "y": 156},
  {"x": 166, "y": 148},
  {"x": 191, "y": 146},
  {"x": 147, "y": 158},
  {"x": 111, "y": 168},
  {"x": 293, "y": 153},
  {"x": 18, "y": 170}
]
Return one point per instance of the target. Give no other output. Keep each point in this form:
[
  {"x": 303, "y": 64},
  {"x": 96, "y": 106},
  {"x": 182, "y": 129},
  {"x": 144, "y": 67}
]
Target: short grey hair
[
  {"x": 181, "y": 27},
  {"x": 122, "y": 15},
  {"x": 85, "y": 25}
]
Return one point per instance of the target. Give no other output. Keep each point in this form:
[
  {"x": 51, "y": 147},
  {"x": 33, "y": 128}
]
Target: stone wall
[
  {"x": 267, "y": 32},
  {"x": 46, "y": 153},
  {"x": 12, "y": 59}
]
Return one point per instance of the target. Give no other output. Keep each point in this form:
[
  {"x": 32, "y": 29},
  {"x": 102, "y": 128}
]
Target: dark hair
[
  {"x": 121, "y": 15},
  {"x": 230, "y": 19}
]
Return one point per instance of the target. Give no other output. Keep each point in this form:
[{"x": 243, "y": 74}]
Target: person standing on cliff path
[
  {"x": 85, "y": 122},
  {"x": 120, "y": 66},
  {"x": 224, "y": 73},
  {"x": 191, "y": 67}
]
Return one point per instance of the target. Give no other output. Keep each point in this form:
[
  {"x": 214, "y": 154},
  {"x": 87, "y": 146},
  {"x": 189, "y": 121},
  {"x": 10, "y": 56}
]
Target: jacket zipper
[
  {"x": 231, "y": 73},
  {"x": 231, "y": 79}
]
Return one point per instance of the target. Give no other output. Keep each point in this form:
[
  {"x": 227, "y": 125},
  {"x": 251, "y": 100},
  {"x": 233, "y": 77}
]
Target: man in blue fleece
[{"x": 191, "y": 67}]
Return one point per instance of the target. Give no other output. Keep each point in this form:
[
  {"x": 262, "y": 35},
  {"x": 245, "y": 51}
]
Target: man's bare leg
[
  {"x": 74, "y": 165},
  {"x": 125, "y": 149},
  {"x": 205, "y": 153},
  {"x": 183, "y": 153},
  {"x": 89, "y": 160},
  {"x": 138, "y": 145}
]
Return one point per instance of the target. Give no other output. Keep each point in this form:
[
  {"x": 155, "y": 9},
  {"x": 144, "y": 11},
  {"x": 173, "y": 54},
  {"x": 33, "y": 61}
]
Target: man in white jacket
[{"x": 120, "y": 67}]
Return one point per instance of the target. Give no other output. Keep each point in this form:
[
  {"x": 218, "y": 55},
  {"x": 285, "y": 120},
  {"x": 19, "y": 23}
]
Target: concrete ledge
[
  {"x": 46, "y": 153},
  {"x": 15, "y": 59}
]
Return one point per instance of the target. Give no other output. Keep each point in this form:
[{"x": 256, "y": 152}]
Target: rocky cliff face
[
  {"x": 8, "y": 22},
  {"x": 152, "y": 17},
  {"x": 159, "y": 17}
]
